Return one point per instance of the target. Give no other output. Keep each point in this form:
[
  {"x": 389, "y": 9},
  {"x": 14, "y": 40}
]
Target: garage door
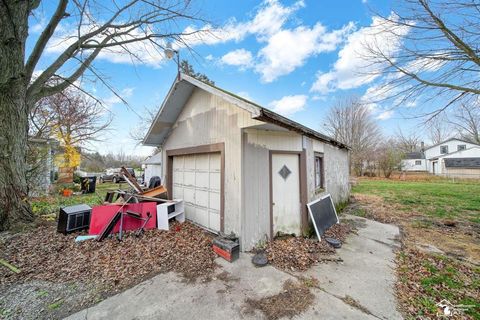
[{"x": 196, "y": 180}]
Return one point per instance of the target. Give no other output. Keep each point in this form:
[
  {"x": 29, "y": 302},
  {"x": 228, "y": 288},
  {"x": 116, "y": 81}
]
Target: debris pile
[
  {"x": 295, "y": 299},
  {"x": 299, "y": 254},
  {"x": 44, "y": 254}
]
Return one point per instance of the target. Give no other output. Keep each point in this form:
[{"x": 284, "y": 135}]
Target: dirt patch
[
  {"x": 43, "y": 254},
  {"x": 354, "y": 303},
  {"x": 299, "y": 254},
  {"x": 295, "y": 299}
]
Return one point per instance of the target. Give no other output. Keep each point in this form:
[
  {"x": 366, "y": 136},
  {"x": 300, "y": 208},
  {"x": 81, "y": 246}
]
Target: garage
[{"x": 197, "y": 180}]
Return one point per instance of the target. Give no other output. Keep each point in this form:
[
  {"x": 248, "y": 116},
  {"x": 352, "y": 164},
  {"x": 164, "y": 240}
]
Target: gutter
[{"x": 272, "y": 117}]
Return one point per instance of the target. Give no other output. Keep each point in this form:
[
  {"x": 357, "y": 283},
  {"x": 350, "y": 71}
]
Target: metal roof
[
  {"x": 180, "y": 92},
  {"x": 468, "y": 163}
]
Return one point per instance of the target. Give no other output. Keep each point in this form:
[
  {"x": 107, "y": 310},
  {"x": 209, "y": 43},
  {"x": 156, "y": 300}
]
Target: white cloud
[
  {"x": 289, "y": 105},
  {"x": 114, "y": 99},
  {"x": 385, "y": 115},
  {"x": 352, "y": 69},
  {"x": 288, "y": 49},
  {"x": 241, "y": 58}
]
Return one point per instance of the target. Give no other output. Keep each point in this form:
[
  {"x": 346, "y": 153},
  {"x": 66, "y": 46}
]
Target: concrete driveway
[{"x": 366, "y": 277}]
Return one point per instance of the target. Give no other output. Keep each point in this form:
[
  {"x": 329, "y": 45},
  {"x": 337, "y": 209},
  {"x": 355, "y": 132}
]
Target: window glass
[
  {"x": 318, "y": 172},
  {"x": 443, "y": 149},
  {"x": 461, "y": 147},
  {"x": 418, "y": 162}
]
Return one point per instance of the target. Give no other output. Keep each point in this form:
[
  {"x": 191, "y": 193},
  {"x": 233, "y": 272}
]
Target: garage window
[{"x": 319, "y": 171}]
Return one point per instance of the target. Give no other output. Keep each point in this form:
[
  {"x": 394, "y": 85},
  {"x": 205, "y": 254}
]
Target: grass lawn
[
  {"x": 442, "y": 199},
  {"x": 440, "y": 257},
  {"x": 47, "y": 207}
]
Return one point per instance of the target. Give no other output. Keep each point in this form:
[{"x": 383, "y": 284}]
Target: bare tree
[
  {"x": 407, "y": 143},
  {"x": 71, "y": 117},
  {"x": 389, "y": 157},
  {"x": 438, "y": 128},
  {"x": 437, "y": 58},
  {"x": 98, "y": 27},
  {"x": 350, "y": 122},
  {"x": 466, "y": 121}
]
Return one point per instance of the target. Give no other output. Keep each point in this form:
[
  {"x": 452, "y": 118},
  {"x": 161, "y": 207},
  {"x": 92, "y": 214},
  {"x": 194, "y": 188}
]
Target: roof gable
[{"x": 182, "y": 89}]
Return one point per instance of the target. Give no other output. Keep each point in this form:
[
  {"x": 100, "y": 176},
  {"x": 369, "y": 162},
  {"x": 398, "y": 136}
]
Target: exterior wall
[
  {"x": 472, "y": 152},
  {"x": 256, "y": 177},
  {"x": 208, "y": 119},
  {"x": 463, "y": 173},
  {"x": 152, "y": 170},
  {"x": 409, "y": 165},
  {"x": 434, "y": 152}
]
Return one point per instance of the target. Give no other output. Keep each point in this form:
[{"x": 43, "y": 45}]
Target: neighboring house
[
  {"x": 242, "y": 168},
  {"x": 152, "y": 167},
  {"x": 433, "y": 159},
  {"x": 414, "y": 161},
  {"x": 41, "y": 166}
]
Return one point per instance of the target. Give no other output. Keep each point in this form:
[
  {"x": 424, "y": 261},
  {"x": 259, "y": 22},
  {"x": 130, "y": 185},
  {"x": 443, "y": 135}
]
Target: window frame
[
  {"x": 461, "y": 147},
  {"x": 446, "y": 148},
  {"x": 418, "y": 162},
  {"x": 320, "y": 157}
]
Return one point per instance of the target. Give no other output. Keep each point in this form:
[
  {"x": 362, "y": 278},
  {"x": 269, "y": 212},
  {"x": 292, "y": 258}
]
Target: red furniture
[{"x": 101, "y": 216}]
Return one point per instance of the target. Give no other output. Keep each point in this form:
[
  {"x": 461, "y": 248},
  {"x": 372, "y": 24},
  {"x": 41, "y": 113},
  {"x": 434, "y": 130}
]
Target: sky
[{"x": 294, "y": 57}]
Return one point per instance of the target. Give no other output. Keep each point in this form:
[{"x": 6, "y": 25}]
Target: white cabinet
[{"x": 169, "y": 210}]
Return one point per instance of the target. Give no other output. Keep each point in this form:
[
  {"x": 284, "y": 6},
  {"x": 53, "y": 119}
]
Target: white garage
[{"x": 197, "y": 180}]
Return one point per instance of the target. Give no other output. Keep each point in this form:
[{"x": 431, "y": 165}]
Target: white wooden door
[
  {"x": 196, "y": 180},
  {"x": 286, "y": 193}
]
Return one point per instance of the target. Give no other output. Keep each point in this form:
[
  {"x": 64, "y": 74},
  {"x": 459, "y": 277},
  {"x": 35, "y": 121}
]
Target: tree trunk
[{"x": 14, "y": 207}]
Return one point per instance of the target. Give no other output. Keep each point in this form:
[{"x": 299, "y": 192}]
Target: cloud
[
  {"x": 114, "y": 99},
  {"x": 288, "y": 49},
  {"x": 352, "y": 69},
  {"x": 289, "y": 105},
  {"x": 241, "y": 58},
  {"x": 385, "y": 115}
]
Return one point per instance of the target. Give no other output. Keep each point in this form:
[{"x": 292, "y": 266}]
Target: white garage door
[{"x": 196, "y": 180}]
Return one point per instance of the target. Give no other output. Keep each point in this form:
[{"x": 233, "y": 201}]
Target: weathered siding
[
  {"x": 208, "y": 119},
  {"x": 336, "y": 171}
]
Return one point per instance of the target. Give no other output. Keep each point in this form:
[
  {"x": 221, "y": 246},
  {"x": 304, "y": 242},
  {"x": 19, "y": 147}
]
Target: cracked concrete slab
[{"x": 366, "y": 275}]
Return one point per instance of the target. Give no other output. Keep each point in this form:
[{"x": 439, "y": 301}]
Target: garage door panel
[
  {"x": 214, "y": 181},
  {"x": 215, "y": 164},
  {"x": 214, "y": 200},
  {"x": 189, "y": 162},
  {"x": 177, "y": 163},
  {"x": 201, "y": 216},
  {"x": 177, "y": 192},
  {"x": 201, "y": 162},
  {"x": 202, "y": 180},
  {"x": 178, "y": 177},
  {"x": 214, "y": 220},
  {"x": 189, "y": 178},
  {"x": 189, "y": 195},
  {"x": 201, "y": 198},
  {"x": 196, "y": 180}
]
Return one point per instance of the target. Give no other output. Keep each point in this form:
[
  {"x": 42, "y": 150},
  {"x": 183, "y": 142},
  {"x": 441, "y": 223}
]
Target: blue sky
[{"x": 295, "y": 57}]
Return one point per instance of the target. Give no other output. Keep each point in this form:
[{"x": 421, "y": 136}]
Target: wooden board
[{"x": 323, "y": 214}]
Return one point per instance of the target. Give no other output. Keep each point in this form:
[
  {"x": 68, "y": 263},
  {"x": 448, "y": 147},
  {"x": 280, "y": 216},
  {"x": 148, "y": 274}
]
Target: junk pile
[{"x": 139, "y": 210}]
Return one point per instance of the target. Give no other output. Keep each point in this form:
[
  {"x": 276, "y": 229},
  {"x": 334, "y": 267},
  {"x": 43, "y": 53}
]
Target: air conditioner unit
[{"x": 74, "y": 218}]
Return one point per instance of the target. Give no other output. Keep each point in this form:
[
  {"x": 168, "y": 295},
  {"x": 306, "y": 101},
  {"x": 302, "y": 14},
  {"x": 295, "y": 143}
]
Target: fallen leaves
[
  {"x": 299, "y": 254},
  {"x": 426, "y": 279},
  {"x": 295, "y": 299},
  {"x": 44, "y": 254}
]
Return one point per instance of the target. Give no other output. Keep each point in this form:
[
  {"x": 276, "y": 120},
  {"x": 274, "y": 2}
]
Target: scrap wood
[
  {"x": 131, "y": 180},
  {"x": 154, "y": 191},
  {"x": 9, "y": 266}
]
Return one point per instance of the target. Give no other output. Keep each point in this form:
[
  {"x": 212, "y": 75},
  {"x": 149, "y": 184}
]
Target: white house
[
  {"x": 152, "y": 167},
  {"x": 433, "y": 159},
  {"x": 242, "y": 168},
  {"x": 414, "y": 161}
]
